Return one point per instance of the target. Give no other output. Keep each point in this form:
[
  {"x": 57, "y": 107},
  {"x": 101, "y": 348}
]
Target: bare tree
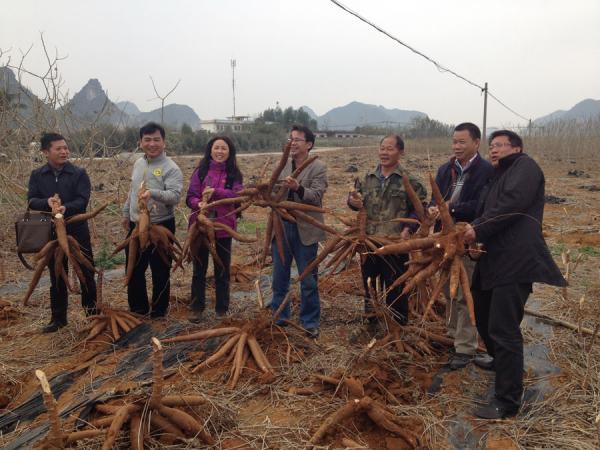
[{"x": 163, "y": 98}]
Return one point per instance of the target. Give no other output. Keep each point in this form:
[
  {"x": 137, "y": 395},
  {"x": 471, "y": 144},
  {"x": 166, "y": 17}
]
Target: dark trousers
[
  {"x": 498, "y": 313},
  {"x": 387, "y": 268},
  {"x": 222, "y": 275},
  {"x": 161, "y": 278},
  {"x": 59, "y": 295}
]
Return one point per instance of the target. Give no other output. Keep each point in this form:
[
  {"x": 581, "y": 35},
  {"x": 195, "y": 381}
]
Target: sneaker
[
  {"x": 195, "y": 316},
  {"x": 460, "y": 360},
  {"x": 312, "y": 333},
  {"x": 484, "y": 361},
  {"x": 54, "y": 326},
  {"x": 495, "y": 410}
]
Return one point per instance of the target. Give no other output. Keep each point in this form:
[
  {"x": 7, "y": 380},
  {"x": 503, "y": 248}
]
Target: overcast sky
[{"x": 537, "y": 55}]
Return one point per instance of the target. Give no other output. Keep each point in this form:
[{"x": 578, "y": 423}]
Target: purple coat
[{"x": 215, "y": 178}]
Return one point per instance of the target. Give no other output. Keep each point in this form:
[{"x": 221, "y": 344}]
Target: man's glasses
[
  {"x": 500, "y": 145},
  {"x": 296, "y": 140}
]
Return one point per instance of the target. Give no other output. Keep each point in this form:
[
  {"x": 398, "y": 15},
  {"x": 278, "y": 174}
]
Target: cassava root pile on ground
[
  {"x": 163, "y": 416},
  {"x": 116, "y": 322}
]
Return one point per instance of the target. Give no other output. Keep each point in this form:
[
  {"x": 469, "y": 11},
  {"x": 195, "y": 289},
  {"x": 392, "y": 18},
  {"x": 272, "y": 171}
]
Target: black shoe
[
  {"x": 484, "y": 361},
  {"x": 401, "y": 319},
  {"x": 54, "y": 326},
  {"x": 91, "y": 312},
  {"x": 196, "y": 316},
  {"x": 495, "y": 410},
  {"x": 312, "y": 333},
  {"x": 460, "y": 360},
  {"x": 221, "y": 314}
]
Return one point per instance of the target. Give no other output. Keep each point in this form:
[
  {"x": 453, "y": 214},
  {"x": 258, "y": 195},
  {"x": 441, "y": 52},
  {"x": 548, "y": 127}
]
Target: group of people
[{"x": 502, "y": 200}]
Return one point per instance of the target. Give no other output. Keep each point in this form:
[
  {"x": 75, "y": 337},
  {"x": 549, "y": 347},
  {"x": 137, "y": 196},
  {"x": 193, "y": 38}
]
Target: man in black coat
[
  {"x": 509, "y": 225},
  {"x": 460, "y": 181},
  {"x": 72, "y": 184}
]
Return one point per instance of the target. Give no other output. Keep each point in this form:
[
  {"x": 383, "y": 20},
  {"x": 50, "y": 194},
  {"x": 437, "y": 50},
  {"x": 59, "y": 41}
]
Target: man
[
  {"x": 382, "y": 193},
  {"x": 163, "y": 182},
  {"x": 72, "y": 184},
  {"x": 510, "y": 228},
  {"x": 301, "y": 239},
  {"x": 461, "y": 180}
]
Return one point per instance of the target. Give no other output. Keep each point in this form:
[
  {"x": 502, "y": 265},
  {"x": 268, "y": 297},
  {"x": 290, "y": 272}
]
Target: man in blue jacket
[
  {"x": 461, "y": 180},
  {"x": 72, "y": 184}
]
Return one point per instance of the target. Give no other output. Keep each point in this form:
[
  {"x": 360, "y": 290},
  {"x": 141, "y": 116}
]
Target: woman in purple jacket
[{"x": 218, "y": 174}]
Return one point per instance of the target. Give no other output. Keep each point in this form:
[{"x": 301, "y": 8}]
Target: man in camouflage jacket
[{"x": 382, "y": 194}]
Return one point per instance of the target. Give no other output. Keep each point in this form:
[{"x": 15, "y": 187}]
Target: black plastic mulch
[{"x": 136, "y": 365}]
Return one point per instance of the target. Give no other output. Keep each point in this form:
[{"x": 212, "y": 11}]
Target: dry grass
[{"x": 267, "y": 416}]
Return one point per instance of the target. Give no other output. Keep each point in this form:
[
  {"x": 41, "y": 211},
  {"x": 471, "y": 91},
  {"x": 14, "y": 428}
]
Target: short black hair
[
  {"x": 514, "y": 138},
  {"x": 399, "y": 141},
  {"x": 308, "y": 134},
  {"x": 151, "y": 128},
  {"x": 473, "y": 129},
  {"x": 48, "y": 138}
]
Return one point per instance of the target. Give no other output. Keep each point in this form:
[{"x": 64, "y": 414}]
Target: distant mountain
[
  {"x": 361, "y": 114},
  {"x": 92, "y": 105},
  {"x": 128, "y": 108},
  {"x": 585, "y": 109},
  {"x": 174, "y": 115},
  {"x": 24, "y": 104},
  {"x": 310, "y": 112}
]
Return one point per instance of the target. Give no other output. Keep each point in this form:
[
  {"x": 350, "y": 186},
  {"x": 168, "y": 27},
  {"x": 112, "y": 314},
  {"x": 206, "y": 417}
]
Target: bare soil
[{"x": 262, "y": 413}]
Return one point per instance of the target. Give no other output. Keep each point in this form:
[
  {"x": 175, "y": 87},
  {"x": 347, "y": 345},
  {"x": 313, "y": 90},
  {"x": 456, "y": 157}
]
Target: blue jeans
[{"x": 310, "y": 305}]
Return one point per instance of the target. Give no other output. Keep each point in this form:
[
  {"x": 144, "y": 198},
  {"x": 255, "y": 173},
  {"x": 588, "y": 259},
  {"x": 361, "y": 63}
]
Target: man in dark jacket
[
  {"x": 510, "y": 228},
  {"x": 72, "y": 184},
  {"x": 460, "y": 181}
]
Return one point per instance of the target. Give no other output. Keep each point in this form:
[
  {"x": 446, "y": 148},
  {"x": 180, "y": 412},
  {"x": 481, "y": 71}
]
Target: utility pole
[
  {"x": 484, "y": 136},
  {"x": 233, "y": 83}
]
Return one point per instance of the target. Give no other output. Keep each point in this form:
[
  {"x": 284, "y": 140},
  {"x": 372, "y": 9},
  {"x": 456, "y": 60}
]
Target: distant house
[
  {"x": 348, "y": 135},
  {"x": 338, "y": 134},
  {"x": 236, "y": 123}
]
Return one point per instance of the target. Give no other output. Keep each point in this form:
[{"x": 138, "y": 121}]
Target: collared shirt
[{"x": 459, "y": 182}]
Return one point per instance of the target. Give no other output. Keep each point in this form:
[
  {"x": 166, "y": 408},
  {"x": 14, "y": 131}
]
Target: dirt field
[{"x": 562, "y": 366}]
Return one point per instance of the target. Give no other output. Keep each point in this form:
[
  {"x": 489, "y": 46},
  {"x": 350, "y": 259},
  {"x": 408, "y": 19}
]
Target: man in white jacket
[{"x": 163, "y": 184}]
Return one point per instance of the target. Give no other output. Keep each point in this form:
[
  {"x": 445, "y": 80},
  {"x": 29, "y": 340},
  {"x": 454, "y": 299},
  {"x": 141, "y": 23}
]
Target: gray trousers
[{"x": 457, "y": 317}]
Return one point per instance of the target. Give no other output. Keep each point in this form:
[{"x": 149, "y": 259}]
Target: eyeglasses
[
  {"x": 296, "y": 140},
  {"x": 500, "y": 145}
]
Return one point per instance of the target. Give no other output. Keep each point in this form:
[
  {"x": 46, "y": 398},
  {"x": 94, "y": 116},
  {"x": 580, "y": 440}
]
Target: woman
[{"x": 218, "y": 175}]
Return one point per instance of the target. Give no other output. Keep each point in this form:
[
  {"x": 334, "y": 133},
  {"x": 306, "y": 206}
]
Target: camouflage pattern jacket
[{"x": 385, "y": 199}]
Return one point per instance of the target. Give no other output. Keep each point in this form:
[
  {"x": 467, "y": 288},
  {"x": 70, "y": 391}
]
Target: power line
[
  {"x": 439, "y": 66},
  {"x": 506, "y": 106}
]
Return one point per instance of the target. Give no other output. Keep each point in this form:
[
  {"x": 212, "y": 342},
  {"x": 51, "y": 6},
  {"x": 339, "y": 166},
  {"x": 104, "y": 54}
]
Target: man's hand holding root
[
  {"x": 355, "y": 199},
  {"x": 470, "y": 235}
]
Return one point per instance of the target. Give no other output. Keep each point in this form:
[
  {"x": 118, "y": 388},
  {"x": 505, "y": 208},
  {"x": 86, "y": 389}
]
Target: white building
[{"x": 237, "y": 123}]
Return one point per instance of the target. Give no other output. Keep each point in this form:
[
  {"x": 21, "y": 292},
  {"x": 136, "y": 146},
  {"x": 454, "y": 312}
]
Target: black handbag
[{"x": 33, "y": 230}]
